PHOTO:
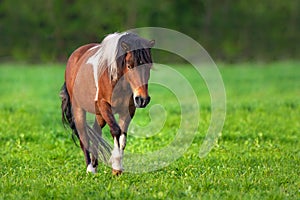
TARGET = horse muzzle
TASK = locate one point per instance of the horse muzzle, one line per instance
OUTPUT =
(141, 102)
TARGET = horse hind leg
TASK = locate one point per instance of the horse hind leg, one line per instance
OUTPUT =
(99, 123)
(76, 122)
(81, 126)
(91, 166)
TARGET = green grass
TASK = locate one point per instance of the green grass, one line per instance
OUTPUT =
(257, 157)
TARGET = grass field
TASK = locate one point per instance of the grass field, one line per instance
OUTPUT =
(257, 157)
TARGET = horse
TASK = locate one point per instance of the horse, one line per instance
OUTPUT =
(106, 79)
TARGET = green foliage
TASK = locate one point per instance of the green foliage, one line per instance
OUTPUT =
(257, 156)
(230, 30)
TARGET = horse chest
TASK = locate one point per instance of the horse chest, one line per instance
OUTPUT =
(120, 103)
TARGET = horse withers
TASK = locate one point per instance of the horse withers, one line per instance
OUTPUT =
(106, 79)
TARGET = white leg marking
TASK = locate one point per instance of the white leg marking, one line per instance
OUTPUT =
(116, 157)
(91, 169)
(122, 141)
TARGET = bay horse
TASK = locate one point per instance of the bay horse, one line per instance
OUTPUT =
(106, 79)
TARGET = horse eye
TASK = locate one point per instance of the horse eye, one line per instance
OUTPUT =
(129, 66)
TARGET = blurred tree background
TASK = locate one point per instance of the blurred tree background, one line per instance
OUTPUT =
(230, 30)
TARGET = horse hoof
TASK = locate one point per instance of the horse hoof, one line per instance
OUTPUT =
(116, 172)
(91, 169)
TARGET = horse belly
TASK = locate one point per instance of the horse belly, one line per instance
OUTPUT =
(84, 89)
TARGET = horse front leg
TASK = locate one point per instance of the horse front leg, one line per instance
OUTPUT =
(124, 121)
(107, 114)
(120, 144)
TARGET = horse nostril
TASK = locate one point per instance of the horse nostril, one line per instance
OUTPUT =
(138, 101)
(141, 102)
(147, 100)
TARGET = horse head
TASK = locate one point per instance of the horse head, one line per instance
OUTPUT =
(137, 64)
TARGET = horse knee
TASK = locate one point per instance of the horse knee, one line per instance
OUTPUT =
(115, 131)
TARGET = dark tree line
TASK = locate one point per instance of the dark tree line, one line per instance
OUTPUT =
(231, 30)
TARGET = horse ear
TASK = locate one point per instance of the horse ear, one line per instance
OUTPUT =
(151, 43)
(125, 46)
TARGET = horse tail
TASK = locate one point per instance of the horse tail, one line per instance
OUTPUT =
(66, 111)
